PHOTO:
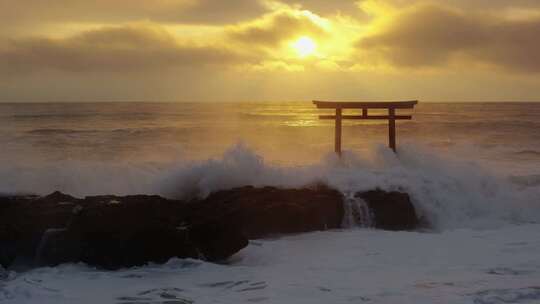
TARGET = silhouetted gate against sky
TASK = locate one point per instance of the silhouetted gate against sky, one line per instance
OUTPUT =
(391, 106)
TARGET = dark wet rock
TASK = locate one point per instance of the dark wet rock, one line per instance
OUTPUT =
(391, 210)
(56, 247)
(8, 251)
(109, 231)
(216, 239)
(59, 197)
(23, 220)
(114, 232)
(261, 212)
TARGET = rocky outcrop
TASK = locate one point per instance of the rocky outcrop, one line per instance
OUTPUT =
(260, 212)
(114, 232)
(391, 210)
(24, 219)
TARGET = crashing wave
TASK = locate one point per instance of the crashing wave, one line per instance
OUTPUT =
(449, 193)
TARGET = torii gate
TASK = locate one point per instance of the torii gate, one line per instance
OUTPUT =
(365, 106)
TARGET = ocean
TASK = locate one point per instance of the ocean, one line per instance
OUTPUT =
(472, 169)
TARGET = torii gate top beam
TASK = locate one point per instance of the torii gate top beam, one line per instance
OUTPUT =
(366, 104)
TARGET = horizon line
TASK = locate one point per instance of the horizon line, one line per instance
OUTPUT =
(251, 101)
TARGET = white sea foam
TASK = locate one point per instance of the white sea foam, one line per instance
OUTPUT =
(449, 192)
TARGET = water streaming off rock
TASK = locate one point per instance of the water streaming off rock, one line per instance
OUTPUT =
(357, 213)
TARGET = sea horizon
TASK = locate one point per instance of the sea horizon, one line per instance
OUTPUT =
(487, 101)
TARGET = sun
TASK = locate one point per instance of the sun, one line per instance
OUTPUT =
(304, 46)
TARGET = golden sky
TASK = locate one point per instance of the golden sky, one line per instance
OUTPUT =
(249, 50)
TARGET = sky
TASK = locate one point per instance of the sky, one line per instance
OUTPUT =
(265, 50)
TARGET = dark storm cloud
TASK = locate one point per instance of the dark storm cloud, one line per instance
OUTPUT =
(430, 35)
(123, 48)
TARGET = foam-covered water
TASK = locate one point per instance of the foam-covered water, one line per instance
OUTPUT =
(350, 266)
(471, 169)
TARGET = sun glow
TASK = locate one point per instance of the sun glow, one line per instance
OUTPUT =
(305, 46)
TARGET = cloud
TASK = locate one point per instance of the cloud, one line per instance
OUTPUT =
(328, 8)
(211, 11)
(257, 44)
(138, 47)
(436, 36)
(31, 13)
(275, 28)
(483, 5)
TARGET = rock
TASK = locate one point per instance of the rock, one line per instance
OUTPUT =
(216, 239)
(56, 247)
(261, 212)
(391, 210)
(114, 232)
(8, 250)
(59, 197)
(136, 230)
(24, 219)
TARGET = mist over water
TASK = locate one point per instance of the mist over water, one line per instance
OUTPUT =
(465, 165)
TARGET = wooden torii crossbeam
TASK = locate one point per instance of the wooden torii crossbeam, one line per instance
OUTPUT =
(365, 106)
